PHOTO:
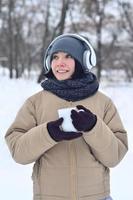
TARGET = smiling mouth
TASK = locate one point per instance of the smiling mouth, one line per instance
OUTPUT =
(62, 71)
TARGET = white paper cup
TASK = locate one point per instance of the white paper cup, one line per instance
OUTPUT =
(67, 122)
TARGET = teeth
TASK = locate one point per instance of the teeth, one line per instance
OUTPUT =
(62, 71)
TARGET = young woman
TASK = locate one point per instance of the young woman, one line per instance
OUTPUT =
(69, 165)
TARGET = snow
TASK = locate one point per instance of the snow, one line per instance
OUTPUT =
(15, 179)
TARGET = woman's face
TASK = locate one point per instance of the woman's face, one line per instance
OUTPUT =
(63, 65)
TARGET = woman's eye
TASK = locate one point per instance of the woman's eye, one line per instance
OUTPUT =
(68, 56)
(55, 56)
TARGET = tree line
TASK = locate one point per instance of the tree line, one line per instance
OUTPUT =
(28, 26)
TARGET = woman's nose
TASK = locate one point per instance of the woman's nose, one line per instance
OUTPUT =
(62, 65)
(61, 62)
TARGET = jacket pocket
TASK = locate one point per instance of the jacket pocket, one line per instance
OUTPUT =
(92, 181)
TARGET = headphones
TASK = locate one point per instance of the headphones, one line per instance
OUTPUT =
(89, 56)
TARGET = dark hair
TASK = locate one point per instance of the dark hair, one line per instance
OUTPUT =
(78, 73)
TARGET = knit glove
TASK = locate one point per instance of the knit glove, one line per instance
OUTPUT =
(57, 134)
(83, 120)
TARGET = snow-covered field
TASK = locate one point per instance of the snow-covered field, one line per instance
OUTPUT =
(15, 179)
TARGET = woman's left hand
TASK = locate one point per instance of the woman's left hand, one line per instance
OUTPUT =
(83, 120)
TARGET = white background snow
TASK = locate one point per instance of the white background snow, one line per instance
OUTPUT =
(15, 179)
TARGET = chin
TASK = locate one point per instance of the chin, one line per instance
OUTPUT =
(61, 78)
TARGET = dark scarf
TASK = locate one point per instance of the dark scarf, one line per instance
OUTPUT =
(72, 89)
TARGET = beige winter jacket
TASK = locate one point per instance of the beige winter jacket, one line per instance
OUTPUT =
(68, 170)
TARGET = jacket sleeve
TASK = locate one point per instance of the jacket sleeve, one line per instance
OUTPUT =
(27, 141)
(108, 139)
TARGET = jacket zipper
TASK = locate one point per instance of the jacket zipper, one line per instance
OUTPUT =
(73, 177)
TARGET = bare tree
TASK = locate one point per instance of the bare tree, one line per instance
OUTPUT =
(127, 14)
(17, 46)
(10, 36)
(45, 40)
(98, 19)
(27, 27)
(57, 29)
(0, 5)
(127, 25)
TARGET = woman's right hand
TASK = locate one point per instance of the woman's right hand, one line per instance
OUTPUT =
(57, 134)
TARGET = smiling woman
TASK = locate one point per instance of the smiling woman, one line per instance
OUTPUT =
(69, 164)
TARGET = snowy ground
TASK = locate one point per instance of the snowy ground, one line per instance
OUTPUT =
(15, 181)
